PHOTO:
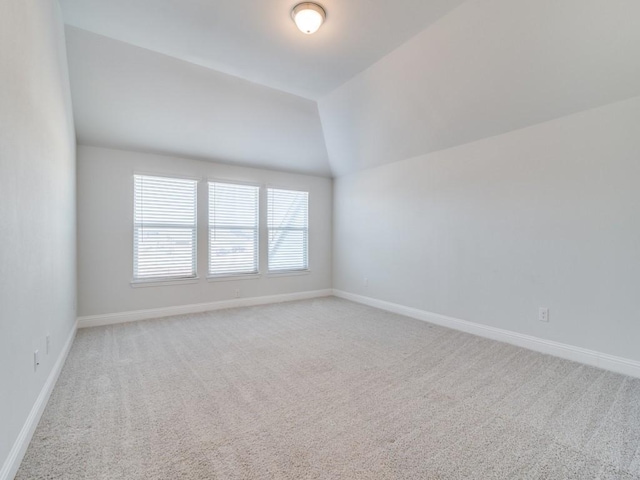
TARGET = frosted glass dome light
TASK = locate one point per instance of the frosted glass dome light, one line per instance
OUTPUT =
(308, 17)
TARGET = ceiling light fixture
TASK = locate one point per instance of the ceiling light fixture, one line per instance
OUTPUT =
(308, 17)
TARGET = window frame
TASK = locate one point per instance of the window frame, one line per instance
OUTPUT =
(289, 272)
(165, 280)
(231, 276)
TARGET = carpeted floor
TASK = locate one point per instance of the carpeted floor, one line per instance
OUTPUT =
(327, 389)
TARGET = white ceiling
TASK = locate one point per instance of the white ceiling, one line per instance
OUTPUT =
(385, 80)
(257, 40)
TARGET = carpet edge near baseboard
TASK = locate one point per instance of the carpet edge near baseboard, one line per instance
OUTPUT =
(592, 358)
(20, 445)
(151, 313)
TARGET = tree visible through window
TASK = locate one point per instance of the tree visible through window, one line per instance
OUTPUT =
(288, 226)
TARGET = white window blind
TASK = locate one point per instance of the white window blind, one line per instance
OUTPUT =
(164, 233)
(288, 225)
(233, 229)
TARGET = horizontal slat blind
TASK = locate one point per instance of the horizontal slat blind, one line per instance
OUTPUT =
(233, 229)
(288, 225)
(164, 233)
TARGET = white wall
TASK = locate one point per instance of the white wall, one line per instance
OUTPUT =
(37, 206)
(491, 230)
(105, 233)
(486, 68)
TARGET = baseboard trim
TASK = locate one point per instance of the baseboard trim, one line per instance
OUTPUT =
(569, 352)
(124, 317)
(12, 462)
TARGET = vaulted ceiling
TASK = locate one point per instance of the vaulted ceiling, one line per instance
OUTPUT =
(235, 81)
(131, 98)
(487, 68)
(256, 39)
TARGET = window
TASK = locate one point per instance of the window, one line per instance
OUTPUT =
(288, 226)
(164, 233)
(233, 229)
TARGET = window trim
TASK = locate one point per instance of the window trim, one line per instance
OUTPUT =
(233, 182)
(177, 176)
(287, 273)
(233, 276)
(165, 281)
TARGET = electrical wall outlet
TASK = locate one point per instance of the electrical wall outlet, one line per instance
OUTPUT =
(366, 282)
(237, 293)
(36, 360)
(48, 344)
(543, 314)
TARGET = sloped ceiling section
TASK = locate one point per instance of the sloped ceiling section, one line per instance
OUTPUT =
(131, 98)
(256, 39)
(486, 68)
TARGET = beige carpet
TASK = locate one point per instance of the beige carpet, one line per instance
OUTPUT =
(327, 389)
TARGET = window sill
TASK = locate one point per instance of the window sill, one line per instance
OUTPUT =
(232, 278)
(163, 283)
(289, 273)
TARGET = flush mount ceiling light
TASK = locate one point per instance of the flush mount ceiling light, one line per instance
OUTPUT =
(308, 17)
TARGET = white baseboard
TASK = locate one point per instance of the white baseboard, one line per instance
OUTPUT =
(123, 317)
(12, 463)
(569, 352)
